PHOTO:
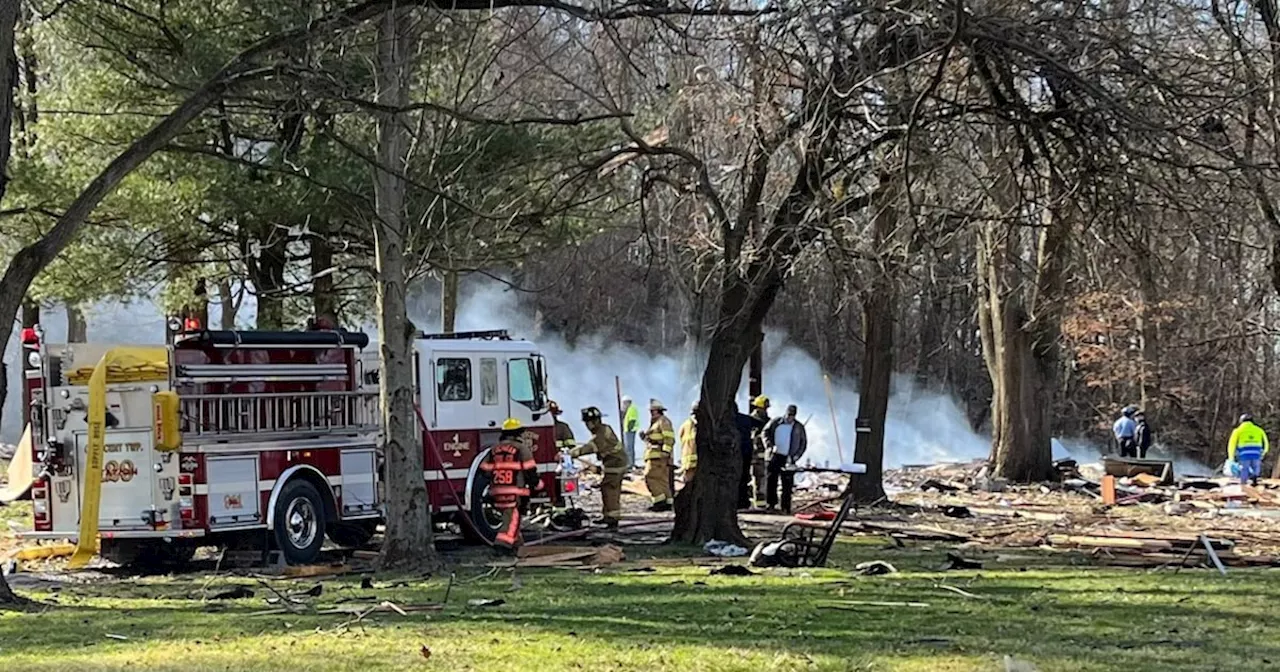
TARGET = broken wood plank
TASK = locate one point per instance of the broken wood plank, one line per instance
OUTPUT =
(1082, 541)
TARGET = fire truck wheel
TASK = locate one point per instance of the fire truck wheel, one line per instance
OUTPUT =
(299, 522)
(484, 519)
(351, 534)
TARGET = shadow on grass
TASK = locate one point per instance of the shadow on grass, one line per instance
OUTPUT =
(1062, 618)
(1073, 618)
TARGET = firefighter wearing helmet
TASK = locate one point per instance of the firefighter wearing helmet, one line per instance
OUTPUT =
(689, 445)
(605, 445)
(513, 473)
(759, 419)
(660, 442)
(564, 433)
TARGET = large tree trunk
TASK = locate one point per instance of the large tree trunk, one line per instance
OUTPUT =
(449, 302)
(1020, 319)
(324, 300)
(267, 273)
(230, 305)
(879, 304)
(77, 326)
(873, 402)
(708, 508)
(408, 540)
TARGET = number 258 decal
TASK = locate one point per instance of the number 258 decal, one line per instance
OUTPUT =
(123, 471)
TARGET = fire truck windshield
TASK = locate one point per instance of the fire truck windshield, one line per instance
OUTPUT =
(526, 385)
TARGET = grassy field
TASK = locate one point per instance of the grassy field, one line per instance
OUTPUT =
(677, 618)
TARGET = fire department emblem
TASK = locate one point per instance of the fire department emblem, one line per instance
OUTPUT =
(232, 502)
(456, 447)
(188, 463)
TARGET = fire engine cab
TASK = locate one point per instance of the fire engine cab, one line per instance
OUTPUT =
(241, 438)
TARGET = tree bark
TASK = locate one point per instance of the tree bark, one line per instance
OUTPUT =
(230, 305)
(324, 300)
(1020, 319)
(873, 401)
(77, 326)
(267, 274)
(879, 305)
(707, 509)
(408, 541)
(449, 302)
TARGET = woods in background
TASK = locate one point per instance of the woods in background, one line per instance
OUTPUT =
(1047, 210)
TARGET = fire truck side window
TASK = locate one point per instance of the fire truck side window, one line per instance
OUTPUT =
(524, 386)
(488, 381)
(453, 379)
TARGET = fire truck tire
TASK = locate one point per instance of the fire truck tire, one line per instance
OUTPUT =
(483, 527)
(357, 533)
(299, 522)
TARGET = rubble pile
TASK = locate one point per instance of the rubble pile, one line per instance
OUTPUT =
(1150, 519)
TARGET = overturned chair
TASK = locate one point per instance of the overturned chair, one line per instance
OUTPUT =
(807, 543)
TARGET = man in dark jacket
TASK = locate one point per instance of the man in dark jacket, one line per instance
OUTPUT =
(1142, 434)
(746, 426)
(786, 441)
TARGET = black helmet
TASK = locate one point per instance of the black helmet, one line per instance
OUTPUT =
(1246, 417)
(591, 413)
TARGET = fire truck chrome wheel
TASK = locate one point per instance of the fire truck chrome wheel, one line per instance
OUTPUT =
(299, 522)
(302, 523)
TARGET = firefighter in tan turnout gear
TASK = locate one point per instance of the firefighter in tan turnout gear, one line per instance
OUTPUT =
(613, 457)
(660, 442)
(564, 433)
(760, 418)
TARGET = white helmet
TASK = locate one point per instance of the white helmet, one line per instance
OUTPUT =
(626, 398)
(655, 405)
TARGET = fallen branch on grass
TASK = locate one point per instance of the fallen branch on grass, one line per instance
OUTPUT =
(962, 593)
(847, 604)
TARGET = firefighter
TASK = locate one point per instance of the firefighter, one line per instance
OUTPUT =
(688, 445)
(564, 433)
(613, 457)
(514, 473)
(760, 419)
(660, 441)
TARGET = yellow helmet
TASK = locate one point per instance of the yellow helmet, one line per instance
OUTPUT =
(510, 425)
(760, 402)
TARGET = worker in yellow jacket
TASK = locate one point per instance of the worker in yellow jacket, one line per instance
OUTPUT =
(660, 442)
(689, 446)
(1247, 447)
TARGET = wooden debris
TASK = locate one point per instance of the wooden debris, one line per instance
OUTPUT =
(1146, 480)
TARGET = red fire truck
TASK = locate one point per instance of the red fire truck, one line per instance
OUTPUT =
(274, 438)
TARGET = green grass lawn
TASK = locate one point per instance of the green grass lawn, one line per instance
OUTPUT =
(679, 618)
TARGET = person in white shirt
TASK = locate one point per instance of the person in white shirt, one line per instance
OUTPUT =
(786, 441)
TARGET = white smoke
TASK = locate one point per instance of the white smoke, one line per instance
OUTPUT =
(922, 427)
